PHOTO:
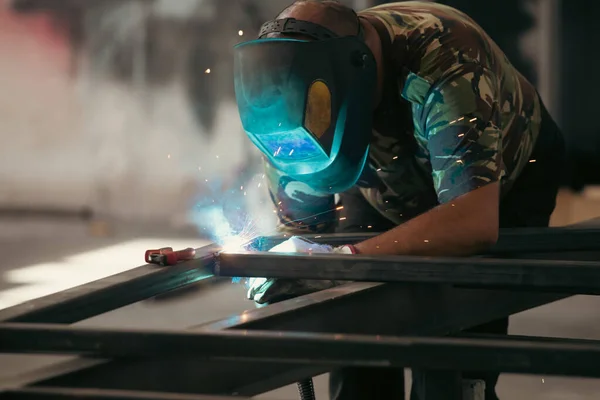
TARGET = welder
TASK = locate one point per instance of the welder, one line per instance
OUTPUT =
(405, 119)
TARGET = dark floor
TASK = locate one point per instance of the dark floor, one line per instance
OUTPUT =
(40, 257)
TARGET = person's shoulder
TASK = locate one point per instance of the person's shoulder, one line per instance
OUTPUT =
(416, 15)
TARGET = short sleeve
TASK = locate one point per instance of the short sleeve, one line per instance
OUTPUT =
(461, 124)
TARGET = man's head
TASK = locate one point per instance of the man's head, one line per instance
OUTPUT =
(305, 90)
(331, 14)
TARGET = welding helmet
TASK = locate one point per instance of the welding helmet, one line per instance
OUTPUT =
(307, 104)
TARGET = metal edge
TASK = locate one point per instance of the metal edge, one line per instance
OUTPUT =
(286, 307)
(577, 277)
(99, 296)
(557, 356)
(101, 394)
(515, 240)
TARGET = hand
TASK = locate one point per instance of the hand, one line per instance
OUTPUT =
(272, 290)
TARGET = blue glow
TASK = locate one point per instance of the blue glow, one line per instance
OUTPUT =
(295, 145)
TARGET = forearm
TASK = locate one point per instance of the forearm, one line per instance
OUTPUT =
(460, 228)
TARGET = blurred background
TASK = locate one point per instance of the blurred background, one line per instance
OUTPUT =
(119, 132)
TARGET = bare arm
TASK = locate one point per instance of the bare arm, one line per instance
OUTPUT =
(467, 225)
(459, 119)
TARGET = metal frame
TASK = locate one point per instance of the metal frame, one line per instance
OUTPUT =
(311, 334)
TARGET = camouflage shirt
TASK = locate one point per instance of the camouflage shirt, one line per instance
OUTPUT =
(455, 115)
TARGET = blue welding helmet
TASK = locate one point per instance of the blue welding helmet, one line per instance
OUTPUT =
(307, 104)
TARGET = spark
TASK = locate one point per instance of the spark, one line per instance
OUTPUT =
(473, 119)
(532, 161)
(207, 71)
(291, 152)
(395, 158)
(461, 135)
(369, 227)
(241, 32)
(461, 118)
(340, 208)
(379, 170)
(426, 241)
(343, 218)
(542, 380)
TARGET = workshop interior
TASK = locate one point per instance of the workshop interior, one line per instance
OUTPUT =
(122, 138)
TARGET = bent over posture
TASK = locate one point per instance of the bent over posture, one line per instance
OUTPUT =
(418, 121)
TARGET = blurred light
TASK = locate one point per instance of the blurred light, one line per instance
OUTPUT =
(47, 278)
(207, 71)
(233, 244)
(241, 33)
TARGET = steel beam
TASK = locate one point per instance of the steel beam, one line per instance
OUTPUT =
(354, 308)
(113, 292)
(44, 393)
(410, 309)
(518, 355)
(577, 277)
(521, 240)
(146, 281)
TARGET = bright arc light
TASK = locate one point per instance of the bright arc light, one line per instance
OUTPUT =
(233, 244)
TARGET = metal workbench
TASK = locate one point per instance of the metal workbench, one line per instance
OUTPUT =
(428, 301)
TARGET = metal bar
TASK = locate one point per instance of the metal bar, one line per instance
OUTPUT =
(353, 308)
(521, 240)
(49, 393)
(517, 355)
(115, 291)
(143, 282)
(581, 277)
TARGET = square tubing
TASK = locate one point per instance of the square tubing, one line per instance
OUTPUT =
(94, 298)
(570, 357)
(49, 393)
(577, 277)
(518, 240)
(116, 291)
(344, 309)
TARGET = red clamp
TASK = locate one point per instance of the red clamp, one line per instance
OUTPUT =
(166, 256)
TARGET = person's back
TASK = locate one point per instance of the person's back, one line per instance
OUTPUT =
(430, 45)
